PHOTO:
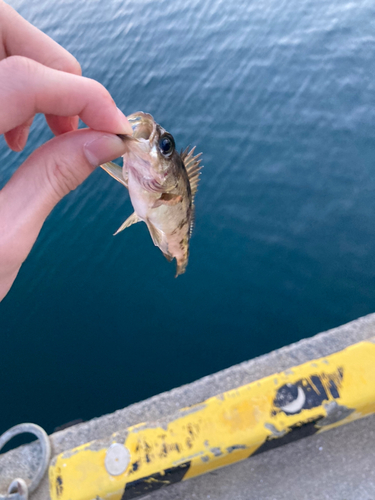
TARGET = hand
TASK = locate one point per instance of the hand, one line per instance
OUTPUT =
(38, 76)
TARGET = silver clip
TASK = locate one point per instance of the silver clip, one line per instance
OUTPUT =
(18, 490)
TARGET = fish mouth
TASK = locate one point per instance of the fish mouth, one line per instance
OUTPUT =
(143, 125)
(140, 144)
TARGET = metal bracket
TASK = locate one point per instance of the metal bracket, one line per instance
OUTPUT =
(18, 489)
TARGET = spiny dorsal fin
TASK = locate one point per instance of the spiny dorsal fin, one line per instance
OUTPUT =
(192, 220)
(114, 171)
(193, 168)
(133, 219)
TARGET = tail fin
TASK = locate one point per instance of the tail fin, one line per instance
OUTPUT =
(181, 267)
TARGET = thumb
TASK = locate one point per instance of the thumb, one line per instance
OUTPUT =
(51, 172)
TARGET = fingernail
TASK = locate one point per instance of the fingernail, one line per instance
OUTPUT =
(22, 135)
(104, 148)
(126, 128)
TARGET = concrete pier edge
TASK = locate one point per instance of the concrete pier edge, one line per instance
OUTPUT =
(23, 461)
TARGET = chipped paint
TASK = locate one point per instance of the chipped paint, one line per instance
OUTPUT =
(335, 413)
(289, 371)
(188, 458)
(275, 433)
(192, 409)
(233, 426)
(92, 446)
(236, 447)
(216, 451)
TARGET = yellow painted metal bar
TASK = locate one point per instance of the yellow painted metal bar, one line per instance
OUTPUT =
(232, 426)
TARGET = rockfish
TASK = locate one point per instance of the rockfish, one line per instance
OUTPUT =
(162, 184)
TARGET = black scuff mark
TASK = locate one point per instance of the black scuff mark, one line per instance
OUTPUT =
(146, 485)
(59, 486)
(236, 447)
(134, 466)
(311, 392)
(333, 389)
(295, 433)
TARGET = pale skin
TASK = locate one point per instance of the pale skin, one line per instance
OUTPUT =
(38, 76)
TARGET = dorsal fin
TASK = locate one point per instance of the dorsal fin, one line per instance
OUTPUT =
(192, 220)
(193, 168)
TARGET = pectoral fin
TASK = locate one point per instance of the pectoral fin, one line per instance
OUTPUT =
(133, 219)
(167, 199)
(114, 171)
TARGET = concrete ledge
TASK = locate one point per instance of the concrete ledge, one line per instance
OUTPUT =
(22, 462)
(335, 465)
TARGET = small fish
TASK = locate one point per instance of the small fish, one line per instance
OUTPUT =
(162, 184)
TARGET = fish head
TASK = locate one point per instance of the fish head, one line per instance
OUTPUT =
(151, 149)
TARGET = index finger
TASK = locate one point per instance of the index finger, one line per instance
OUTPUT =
(29, 88)
(20, 38)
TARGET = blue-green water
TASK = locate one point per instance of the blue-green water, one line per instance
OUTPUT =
(280, 98)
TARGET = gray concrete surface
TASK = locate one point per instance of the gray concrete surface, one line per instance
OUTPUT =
(337, 464)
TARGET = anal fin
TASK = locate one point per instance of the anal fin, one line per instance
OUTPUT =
(133, 219)
(156, 234)
(168, 257)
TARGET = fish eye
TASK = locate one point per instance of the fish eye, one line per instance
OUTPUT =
(166, 145)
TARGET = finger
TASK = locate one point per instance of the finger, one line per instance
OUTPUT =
(21, 38)
(53, 170)
(62, 124)
(17, 137)
(29, 88)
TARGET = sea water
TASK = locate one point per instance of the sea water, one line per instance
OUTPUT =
(279, 97)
